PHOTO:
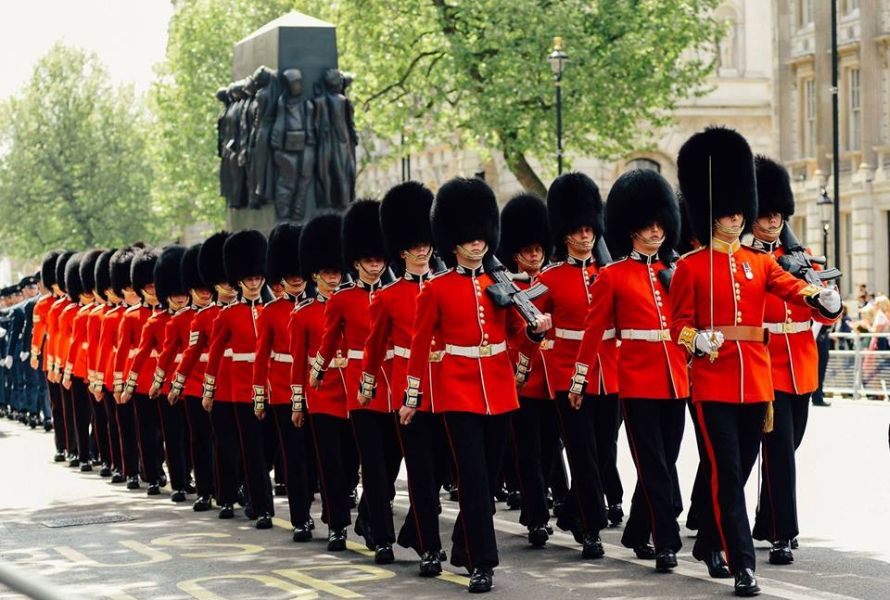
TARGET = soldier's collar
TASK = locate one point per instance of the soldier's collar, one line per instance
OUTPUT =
(417, 278)
(321, 298)
(251, 302)
(577, 262)
(725, 247)
(643, 258)
(759, 244)
(371, 287)
(462, 270)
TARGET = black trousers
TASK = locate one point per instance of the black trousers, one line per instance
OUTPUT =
(584, 508)
(174, 434)
(83, 416)
(731, 436)
(607, 422)
(114, 446)
(129, 436)
(378, 447)
(535, 440)
(148, 427)
(253, 459)
(329, 432)
(477, 443)
(291, 442)
(200, 445)
(701, 493)
(420, 442)
(654, 431)
(227, 446)
(68, 419)
(100, 429)
(56, 404)
(776, 517)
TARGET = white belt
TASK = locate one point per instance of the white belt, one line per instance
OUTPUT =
(336, 363)
(390, 354)
(155, 354)
(243, 356)
(476, 351)
(228, 352)
(609, 334)
(578, 334)
(646, 335)
(401, 352)
(178, 358)
(355, 354)
(282, 357)
(132, 352)
(781, 328)
(204, 357)
(84, 346)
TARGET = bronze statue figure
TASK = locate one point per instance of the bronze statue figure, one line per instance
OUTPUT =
(265, 100)
(293, 140)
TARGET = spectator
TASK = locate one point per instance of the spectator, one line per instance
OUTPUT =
(881, 324)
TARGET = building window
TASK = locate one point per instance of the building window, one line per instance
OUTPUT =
(808, 134)
(646, 164)
(806, 12)
(850, 6)
(854, 118)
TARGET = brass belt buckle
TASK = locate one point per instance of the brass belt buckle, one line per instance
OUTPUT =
(484, 350)
(436, 356)
(787, 327)
(339, 363)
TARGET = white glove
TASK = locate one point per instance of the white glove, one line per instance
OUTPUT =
(830, 300)
(24, 356)
(8, 362)
(2, 332)
(704, 342)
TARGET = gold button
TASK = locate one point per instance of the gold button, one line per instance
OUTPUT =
(739, 320)
(481, 320)
(659, 304)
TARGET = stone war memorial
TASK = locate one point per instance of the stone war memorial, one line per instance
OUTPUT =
(286, 129)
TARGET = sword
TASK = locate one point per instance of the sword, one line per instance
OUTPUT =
(712, 355)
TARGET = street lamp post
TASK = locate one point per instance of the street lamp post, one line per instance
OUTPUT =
(558, 60)
(835, 157)
(825, 206)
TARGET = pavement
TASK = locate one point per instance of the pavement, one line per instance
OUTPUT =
(149, 548)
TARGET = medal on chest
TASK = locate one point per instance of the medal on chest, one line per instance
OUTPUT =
(748, 273)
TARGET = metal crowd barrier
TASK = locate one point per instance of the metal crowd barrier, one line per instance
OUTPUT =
(856, 372)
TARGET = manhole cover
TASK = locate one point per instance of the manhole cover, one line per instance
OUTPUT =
(86, 519)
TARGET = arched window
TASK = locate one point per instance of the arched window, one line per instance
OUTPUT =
(643, 163)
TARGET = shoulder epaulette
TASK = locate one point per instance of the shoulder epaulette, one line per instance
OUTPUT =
(390, 284)
(344, 286)
(753, 249)
(552, 265)
(691, 252)
(440, 273)
(132, 308)
(304, 303)
(613, 263)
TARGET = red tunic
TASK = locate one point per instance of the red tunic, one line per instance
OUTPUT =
(234, 334)
(65, 336)
(273, 358)
(306, 327)
(454, 309)
(347, 317)
(742, 279)
(38, 329)
(78, 349)
(194, 358)
(393, 313)
(536, 386)
(94, 333)
(629, 295)
(129, 335)
(52, 362)
(792, 347)
(108, 341)
(145, 361)
(568, 301)
(176, 340)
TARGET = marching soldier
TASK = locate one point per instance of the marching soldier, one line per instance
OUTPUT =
(576, 219)
(229, 398)
(211, 272)
(475, 390)
(321, 262)
(56, 344)
(525, 247)
(37, 398)
(794, 361)
(370, 407)
(718, 296)
(39, 344)
(170, 296)
(405, 223)
(177, 338)
(643, 224)
(272, 370)
(88, 356)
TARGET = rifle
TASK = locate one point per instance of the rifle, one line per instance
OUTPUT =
(802, 265)
(667, 274)
(504, 291)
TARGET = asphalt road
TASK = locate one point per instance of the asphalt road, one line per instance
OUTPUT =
(159, 550)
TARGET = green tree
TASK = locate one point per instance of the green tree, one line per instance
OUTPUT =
(435, 68)
(74, 170)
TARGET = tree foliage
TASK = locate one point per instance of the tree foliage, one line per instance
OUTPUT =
(74, 170)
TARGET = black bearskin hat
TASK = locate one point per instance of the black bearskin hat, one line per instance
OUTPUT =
(61, 262)
(88, 270)
(574, 201)
(637, 199)
(48, 268)
(320, 247)
(524, 221)
(244, 255)
(191, 273)
(168, 274)
(119, 270)
(405, 217)
(687, 241)
(142, 269)
(464, 210)
(773, 188)
(733, 182)
(73, 285)
(362, 237)
(102, 272)
(210, 259)
(283, 256)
